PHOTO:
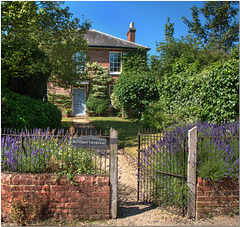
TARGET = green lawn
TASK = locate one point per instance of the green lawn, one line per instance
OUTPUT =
(127, 131)
(66, 123)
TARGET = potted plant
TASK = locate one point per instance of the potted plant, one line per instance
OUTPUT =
(68, 112)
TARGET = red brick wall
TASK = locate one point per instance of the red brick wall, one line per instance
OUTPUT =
(101, 56)
(214, 199)
(88, 199)
(58, 90)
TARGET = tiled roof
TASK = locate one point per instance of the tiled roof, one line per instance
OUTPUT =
(100, 39)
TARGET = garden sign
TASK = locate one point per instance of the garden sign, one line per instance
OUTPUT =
(89, 141)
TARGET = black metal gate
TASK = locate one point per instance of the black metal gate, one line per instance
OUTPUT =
(162, 170)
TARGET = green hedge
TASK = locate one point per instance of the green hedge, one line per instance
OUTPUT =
(97, 106)
(20, 111)
(211, 95)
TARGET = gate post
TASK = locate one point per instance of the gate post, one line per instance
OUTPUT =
(113, 172)
(192, 167)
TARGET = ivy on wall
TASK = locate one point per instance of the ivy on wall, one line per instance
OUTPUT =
(135, 61)
(63, 102)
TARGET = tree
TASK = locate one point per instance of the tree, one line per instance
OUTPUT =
(135, 92)
(98, 99)
(189, 48)
(46, 26)
(25, 70)
(169, 29)
(100, 79)
(221, 28)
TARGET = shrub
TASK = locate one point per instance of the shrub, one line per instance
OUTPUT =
(210, 95)
(218, 145)
(155, 116)
(44, 151)
(217, 159)
(20, 111)
(98, 101)
(135, 92)
(220, 91)
(97, 106)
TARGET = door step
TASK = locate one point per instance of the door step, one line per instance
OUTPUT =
(80, 117)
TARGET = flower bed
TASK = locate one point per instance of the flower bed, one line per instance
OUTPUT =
(44, 176)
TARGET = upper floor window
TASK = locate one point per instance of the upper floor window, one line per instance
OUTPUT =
(80, 61)
(115, 62)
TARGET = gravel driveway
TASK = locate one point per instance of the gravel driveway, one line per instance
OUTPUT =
(130, 213)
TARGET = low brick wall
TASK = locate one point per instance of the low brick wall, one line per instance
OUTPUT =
(214, 199)
(88, 199)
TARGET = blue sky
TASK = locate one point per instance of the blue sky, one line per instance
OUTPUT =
(149, 17)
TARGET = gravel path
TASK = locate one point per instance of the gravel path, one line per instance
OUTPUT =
(131, 213)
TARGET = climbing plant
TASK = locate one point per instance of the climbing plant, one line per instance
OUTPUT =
(135, 61)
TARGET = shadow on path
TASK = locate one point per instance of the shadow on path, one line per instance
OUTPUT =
(127, 202)
(129, 209)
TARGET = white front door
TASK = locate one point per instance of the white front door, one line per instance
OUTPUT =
(79, 101)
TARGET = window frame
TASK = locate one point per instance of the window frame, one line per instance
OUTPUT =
(115, 72)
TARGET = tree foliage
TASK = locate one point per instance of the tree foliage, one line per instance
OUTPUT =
(136, 91)
(220, 30)
(25, 70)
(44, 25)
(21, 111)
(199, 73)
(98, 100)
(174, 49)
(99, 79)
(209, 95)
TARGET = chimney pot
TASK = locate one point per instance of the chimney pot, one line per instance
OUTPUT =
(131, 33)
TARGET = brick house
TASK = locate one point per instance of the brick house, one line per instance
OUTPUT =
(106, 50)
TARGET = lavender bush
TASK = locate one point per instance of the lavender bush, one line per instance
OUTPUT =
(162, 169)
(217, 159)
(45, 151)
(218, 151)
(218, 147)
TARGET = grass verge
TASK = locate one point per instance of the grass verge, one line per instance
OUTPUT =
(127, 131)
(66, 123)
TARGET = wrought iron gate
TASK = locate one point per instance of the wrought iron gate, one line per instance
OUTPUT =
(162, 170)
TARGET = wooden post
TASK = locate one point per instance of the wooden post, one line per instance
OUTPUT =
(113, 172)
(192, 166)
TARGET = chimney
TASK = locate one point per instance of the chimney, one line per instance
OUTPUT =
(131, 33)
